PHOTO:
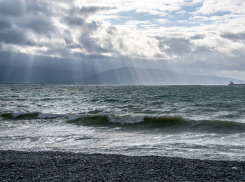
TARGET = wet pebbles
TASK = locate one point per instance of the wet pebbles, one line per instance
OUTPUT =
(58, 166)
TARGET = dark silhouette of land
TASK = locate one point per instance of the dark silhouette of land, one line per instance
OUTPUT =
(119, 76)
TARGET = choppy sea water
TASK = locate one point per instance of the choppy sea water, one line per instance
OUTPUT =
(202, 122)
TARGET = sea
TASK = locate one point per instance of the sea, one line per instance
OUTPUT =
(197, 122)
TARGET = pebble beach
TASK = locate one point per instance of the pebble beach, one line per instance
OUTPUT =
(60, 166)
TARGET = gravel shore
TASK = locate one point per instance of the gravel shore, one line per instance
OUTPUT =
(59, 166)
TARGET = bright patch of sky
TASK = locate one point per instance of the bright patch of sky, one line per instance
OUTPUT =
(185, 16)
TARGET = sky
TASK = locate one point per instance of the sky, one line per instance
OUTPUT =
(204, 37)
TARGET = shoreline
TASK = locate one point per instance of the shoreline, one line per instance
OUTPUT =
(64, 166)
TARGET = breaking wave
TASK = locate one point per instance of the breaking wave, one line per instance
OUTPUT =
(163, 123)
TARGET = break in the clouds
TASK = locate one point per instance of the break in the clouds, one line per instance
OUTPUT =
(189, 36)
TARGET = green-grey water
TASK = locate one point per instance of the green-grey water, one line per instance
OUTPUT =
(204, 122)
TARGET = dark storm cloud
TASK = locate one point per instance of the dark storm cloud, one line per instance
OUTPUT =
(13, 8)
(41, 24)
(24, 20)
(4, 25)
(13, 36)
(35, 20)
(19, 17)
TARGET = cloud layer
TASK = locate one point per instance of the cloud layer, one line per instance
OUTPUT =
(197, 36)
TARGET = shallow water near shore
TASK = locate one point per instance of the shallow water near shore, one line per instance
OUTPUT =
(202, 122)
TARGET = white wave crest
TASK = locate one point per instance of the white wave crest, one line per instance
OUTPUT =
(48, 116)
(73, 117)
(15, 115)
(126, 119)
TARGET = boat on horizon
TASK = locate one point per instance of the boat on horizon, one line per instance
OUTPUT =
(231, 83)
